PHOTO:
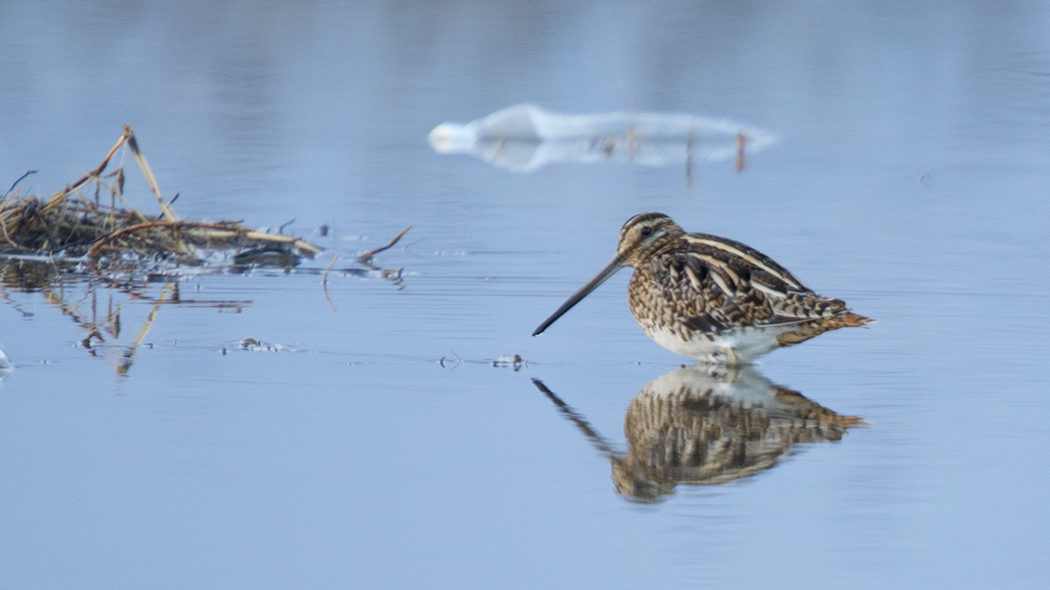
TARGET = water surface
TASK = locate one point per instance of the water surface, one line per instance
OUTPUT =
(376, 445)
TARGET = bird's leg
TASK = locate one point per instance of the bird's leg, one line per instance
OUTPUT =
(731, 358)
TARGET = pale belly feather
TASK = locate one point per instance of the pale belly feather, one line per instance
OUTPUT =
(746, 343)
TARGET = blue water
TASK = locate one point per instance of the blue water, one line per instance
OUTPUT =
(379, 446)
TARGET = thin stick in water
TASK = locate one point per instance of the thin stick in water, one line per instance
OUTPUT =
(366, 258)
(324, 282)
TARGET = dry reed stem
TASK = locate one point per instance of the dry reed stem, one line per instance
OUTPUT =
(64, 222)
(94, 174)
(147, 172)
(216, 230)
(152, 224)
(254, 235)
(15, 184)
(367, 256)
(3, 226)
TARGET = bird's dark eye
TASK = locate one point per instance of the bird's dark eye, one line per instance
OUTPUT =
(646, 231)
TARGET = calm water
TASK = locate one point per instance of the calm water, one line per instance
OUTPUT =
(375, 445)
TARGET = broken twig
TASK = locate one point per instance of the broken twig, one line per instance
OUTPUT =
(366, 258)
(324, 281)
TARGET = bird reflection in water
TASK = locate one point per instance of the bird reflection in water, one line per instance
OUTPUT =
(707, 425)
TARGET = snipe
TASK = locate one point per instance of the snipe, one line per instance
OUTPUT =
(710, 298)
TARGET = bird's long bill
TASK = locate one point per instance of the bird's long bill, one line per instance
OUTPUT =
(603, 275)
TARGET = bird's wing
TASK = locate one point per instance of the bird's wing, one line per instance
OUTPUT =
(716, 290)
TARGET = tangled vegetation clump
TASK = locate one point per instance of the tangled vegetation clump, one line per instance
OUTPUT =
(70, 224)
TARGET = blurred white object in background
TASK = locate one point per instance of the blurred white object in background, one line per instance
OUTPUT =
(524, 137)
(5, 363)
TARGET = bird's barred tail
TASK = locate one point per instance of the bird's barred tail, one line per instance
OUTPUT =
(817, 327)
(846, 320)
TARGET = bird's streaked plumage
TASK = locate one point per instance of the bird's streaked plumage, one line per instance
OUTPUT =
(711, 298)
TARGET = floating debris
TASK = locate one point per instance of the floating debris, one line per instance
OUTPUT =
(366, 266)
(254, 345)
(443, 360)
(73, 225)
(366, 258)
(507, 361)
(524, 138)
(514, 362)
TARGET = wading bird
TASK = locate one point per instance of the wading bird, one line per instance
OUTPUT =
(710, 298)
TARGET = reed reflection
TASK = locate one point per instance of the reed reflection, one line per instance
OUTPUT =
(707, 425)
(100, 305)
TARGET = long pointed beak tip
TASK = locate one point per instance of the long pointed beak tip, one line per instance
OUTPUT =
(610, 269)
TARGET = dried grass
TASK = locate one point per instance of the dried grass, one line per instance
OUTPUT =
(71, 224)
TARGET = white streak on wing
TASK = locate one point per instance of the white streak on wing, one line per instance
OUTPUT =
(767, 290)
(715, 269)
(721, 283)
(745, 256)
(692, 277)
